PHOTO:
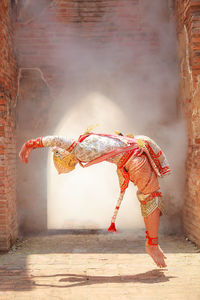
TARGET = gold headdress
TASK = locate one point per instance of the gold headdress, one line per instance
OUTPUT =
(128, 134)
(64, 161)
(90, 128)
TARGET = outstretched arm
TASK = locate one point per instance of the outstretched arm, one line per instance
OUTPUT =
(47, 141)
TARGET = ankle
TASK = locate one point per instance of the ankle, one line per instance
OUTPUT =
(152, 241)
(153, 247)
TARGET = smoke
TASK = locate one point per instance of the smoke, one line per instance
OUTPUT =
(121, 73)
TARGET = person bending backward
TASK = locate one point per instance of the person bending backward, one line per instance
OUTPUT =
(139, 159)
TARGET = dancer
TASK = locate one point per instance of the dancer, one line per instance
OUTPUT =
(139, 159)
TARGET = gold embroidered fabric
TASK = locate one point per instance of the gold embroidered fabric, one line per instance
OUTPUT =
(148, 206)
(64, 161)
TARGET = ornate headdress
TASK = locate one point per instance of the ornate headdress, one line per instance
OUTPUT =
(64, 161)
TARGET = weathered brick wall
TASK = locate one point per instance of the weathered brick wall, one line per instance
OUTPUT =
(188, 32)
(8, 84)
(41, 34)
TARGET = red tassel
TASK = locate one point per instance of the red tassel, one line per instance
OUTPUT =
(112, 228)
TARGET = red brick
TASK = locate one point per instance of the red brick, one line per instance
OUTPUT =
(8, 82)
(187, 13)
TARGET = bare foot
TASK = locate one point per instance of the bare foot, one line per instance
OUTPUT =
(157, 255)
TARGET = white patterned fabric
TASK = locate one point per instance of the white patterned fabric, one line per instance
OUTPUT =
(57, 141)
(95, 146)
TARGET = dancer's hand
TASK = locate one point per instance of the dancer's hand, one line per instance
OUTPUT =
(25, 153)
(28, 147)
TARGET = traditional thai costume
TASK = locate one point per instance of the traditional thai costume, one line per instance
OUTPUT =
(139, 159)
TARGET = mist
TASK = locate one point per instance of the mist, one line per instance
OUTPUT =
(121, 73)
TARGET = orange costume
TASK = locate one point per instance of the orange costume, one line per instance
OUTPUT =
(139, 159)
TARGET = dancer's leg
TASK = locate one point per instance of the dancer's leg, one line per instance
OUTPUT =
(152, 225)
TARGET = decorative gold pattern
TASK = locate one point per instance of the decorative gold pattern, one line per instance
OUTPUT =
(130, 135)
(148, 206)
(90, 128)
(64, 161)
(140, 143)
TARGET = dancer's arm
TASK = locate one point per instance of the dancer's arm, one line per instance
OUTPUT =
(47, 141)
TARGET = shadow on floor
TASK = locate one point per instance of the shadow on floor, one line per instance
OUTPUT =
(19, 281)
(73, 280)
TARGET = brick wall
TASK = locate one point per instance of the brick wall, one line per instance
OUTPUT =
(42, 33)
(188, 32)
(8, 80)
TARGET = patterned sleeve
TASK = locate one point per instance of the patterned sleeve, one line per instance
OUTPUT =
(57, 141)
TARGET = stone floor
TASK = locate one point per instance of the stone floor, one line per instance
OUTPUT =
(98, 266)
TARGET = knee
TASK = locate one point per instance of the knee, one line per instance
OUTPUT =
(150, 202)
